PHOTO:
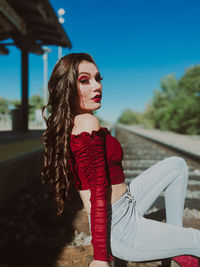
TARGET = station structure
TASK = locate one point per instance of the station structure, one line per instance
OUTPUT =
(29, 25)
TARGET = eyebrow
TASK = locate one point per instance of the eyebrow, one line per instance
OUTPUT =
(88, 73)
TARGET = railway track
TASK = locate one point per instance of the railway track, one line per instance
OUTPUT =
(31, 234)
(140, 154)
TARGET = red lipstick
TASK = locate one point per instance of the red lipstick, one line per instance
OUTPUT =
(97, 98)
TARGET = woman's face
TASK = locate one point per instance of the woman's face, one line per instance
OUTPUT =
(89, 87)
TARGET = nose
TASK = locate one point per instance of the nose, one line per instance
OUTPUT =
(96, 85)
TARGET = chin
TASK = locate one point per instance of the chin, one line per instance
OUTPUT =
(99, 105)
(91, 108)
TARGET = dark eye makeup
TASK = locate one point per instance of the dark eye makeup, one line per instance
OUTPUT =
(98, 77)
(84, 79)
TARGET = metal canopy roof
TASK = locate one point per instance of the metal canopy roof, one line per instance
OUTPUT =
(31, 24)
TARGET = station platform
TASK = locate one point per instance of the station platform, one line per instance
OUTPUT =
(21, 158)
(13, 144)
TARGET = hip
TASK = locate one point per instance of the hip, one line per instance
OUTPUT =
(122, 216)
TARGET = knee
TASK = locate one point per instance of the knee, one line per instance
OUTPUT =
(178, 162)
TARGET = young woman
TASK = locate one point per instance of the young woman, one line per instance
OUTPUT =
(78, 151)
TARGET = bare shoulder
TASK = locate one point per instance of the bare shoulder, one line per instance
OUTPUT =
(85, 123)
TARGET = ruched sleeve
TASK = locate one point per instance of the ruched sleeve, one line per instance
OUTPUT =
(90, 155)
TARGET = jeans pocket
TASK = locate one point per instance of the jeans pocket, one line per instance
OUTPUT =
(125, 227)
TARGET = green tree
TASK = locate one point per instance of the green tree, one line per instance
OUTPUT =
(4, 105)
(36, 101)
(190, 82)
(169, 87)
(129, 116)
(176, 106)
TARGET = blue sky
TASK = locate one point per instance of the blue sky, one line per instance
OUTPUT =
(135, 44)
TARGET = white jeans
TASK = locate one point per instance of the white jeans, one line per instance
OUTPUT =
(135, 238)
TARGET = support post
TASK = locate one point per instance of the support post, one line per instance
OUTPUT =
(24, 89)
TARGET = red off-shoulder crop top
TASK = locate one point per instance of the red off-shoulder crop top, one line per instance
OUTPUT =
(96, 164)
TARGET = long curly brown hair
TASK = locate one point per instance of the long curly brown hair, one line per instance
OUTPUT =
(61, 108)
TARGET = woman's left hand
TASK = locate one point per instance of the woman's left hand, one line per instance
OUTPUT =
(95, 263)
